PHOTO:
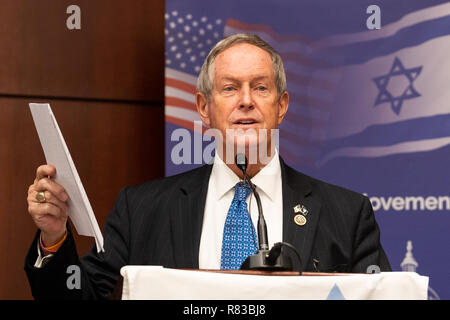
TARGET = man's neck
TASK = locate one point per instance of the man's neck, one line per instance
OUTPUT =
(252, 170)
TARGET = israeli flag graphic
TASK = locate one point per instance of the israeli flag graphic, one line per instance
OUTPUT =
(393, 94)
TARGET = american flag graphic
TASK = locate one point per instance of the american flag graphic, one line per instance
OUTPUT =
(189, 38)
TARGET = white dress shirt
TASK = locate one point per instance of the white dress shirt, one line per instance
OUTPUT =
(218, 200)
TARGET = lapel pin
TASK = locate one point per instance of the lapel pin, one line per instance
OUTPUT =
(301, 209)
(300, 220)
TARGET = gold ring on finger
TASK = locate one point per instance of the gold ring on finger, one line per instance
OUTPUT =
(40, 197)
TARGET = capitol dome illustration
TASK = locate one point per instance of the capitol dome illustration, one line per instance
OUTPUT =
(409, 264)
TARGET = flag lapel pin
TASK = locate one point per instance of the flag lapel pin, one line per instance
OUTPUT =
(300, 218)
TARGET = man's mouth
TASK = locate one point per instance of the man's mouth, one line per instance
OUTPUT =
(245, 121)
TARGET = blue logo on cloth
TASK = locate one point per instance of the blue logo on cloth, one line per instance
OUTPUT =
(335, 294)
(239, 235)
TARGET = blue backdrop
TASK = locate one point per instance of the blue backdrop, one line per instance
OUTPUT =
(369, 110)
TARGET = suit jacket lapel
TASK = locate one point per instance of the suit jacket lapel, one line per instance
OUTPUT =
(187, 219)
(297, 191)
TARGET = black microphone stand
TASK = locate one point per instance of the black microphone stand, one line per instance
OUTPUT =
(264, 259)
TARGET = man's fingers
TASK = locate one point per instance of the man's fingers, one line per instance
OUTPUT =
(31, 189)
(45, 170)
(50, 215)
(40, 209)
(49, 198)
(55, 189)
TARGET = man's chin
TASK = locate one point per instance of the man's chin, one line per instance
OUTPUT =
(245, 139)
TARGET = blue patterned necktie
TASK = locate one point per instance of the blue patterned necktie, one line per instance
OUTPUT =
(239, 235)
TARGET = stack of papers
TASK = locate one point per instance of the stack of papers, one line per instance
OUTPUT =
(57, 154)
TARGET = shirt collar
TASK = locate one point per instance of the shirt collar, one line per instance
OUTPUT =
(267, 179)
(225, 179)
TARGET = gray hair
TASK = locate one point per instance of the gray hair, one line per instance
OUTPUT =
(205, 78)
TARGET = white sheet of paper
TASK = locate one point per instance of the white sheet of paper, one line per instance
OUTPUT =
(57, 154)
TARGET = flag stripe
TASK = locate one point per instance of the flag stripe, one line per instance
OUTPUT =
(374, 152)
(179, 84)
(175, 92)
(182, 113)
(238, 25)
(187, 124)
(182, 76)
(176, 102)
(393, 133)
(408, 20)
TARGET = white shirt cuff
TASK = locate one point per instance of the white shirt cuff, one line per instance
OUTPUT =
(41, 261)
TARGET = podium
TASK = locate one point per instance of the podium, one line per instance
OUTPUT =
(159, 283)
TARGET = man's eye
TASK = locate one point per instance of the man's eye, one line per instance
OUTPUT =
(228, 89)
(261, 88)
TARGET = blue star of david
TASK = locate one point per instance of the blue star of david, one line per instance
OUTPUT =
(409, 93)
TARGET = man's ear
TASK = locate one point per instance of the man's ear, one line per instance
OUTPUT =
(283, 105)
(202, 108)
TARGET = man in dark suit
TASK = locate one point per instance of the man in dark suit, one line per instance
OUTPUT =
(186, 221)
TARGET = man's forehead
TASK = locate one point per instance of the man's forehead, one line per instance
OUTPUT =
(244, 51)
(243, 60)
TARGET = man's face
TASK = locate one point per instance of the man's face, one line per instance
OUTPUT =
(244, 94)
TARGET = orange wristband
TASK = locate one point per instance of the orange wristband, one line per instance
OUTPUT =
(55, 247)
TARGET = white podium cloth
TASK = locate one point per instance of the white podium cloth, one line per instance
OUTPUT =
(158, 283)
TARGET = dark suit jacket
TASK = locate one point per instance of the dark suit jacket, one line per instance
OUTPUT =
(160, 223)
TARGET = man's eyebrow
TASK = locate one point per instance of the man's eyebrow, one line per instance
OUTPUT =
(260, 78)
(231, 78)
(228, 78)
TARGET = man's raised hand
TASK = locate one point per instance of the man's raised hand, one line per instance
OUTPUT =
(47, 205)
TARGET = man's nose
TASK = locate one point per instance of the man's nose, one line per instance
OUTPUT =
(246, 100)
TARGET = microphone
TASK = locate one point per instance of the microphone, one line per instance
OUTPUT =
(264, 259)
(241, 162)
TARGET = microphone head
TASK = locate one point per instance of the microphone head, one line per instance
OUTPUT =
(241, 162)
